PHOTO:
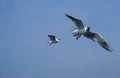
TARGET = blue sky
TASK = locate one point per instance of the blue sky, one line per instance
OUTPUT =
(25, 24)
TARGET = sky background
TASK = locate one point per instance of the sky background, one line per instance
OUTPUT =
(25, 53)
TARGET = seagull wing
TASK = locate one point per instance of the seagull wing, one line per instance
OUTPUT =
(99, 39)
(52, 37)
(77, 22)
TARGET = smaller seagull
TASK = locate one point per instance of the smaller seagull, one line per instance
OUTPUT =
(53, 39)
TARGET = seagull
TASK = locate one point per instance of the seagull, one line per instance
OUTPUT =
(53, 39)
(85, 31)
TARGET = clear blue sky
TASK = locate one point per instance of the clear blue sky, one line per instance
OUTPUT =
(25, 24)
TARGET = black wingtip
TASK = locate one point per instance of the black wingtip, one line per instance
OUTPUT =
(50, 35)
(66, 14)
(110, 50)
(70, 17)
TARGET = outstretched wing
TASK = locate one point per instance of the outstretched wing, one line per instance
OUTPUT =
(99, 39)
(52, 37)
(77, 22)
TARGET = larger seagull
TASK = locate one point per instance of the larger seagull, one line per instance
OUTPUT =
(85, 31)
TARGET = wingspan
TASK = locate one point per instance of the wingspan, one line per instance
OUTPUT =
(77, 22)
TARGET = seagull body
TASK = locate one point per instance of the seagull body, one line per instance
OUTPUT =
(53, 39)
(85, 31)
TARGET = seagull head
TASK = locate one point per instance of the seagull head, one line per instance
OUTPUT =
(87, 28)
(58, 39)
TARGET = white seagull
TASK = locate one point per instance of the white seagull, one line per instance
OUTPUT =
(53, 39)
(85, 31)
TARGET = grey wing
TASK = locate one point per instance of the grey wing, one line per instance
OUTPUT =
(52, 37)
(99, 39)
(94, 36)
(77, 22)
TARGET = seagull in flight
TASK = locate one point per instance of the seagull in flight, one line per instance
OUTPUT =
(53, 39)
(85, 31)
